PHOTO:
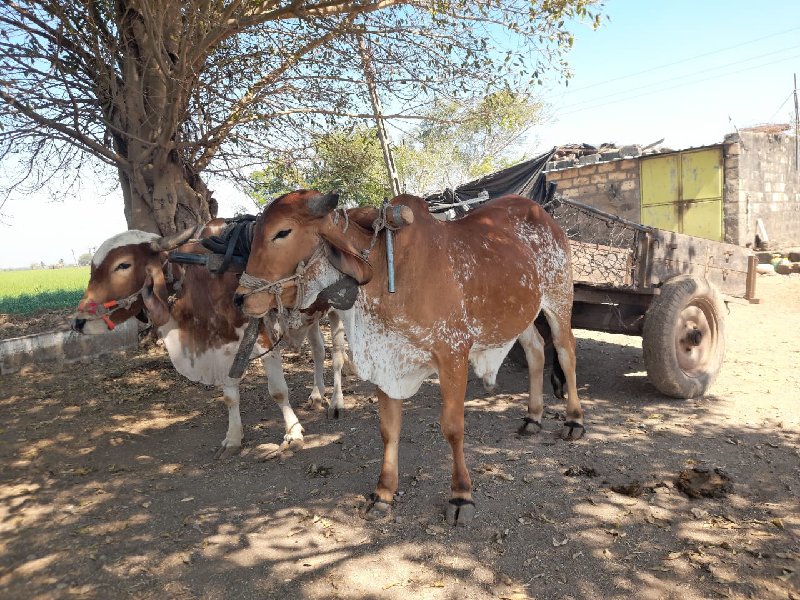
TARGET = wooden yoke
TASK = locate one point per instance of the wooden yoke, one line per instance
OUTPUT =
(399, 215)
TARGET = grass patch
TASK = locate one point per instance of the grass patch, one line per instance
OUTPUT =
(28, 292)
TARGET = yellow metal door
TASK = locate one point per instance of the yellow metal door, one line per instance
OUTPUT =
(703, 219)
(660, 179)
(701, 174)
(663, 216)
(682, 192)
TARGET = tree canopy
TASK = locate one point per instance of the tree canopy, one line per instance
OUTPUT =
(455, 144)
(162, 91)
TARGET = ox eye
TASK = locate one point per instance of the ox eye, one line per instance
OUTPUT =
(281, 234)
(122, 266)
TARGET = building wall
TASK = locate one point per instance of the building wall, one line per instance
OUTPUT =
(762, 181)
(610, 186)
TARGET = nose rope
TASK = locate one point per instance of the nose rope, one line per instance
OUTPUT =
(93, 311)
(291, 319)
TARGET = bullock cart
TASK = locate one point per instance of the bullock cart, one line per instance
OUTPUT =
(669, 288)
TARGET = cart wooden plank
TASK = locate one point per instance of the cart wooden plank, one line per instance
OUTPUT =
(670, 254)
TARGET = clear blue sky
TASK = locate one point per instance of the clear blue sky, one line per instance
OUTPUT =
(687, 71)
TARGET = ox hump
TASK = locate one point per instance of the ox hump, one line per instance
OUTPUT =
(126, 238)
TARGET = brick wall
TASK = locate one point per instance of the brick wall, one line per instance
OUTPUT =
(610, 186)
(762, 181)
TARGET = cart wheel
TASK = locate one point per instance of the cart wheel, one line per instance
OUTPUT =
(684, 337)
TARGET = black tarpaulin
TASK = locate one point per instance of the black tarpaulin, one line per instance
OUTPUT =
(523, 179)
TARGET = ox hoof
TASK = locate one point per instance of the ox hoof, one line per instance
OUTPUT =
(227, 451)
(530, 427)
(375, 508)
(316, 401)
(335, 412)
(572, 431)
(460, 512)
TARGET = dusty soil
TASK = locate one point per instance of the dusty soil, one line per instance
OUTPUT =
(12, 326)
(108, 488)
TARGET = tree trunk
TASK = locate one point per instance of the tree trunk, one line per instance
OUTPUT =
(165, 197)
(162, 192)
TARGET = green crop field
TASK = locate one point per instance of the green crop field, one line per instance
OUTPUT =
(26, 292)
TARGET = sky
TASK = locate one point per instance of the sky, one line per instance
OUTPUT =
(685, 71)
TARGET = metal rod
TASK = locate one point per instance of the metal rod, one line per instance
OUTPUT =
(796, 127)
(604, 215)
(390, 259)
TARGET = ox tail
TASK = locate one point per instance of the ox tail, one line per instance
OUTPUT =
(557, 378)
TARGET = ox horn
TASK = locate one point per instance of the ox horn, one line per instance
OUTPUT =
(399, 215)
(169, 242)
(321, 204)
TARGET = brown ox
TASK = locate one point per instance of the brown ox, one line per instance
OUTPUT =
(200, 327)
(466, 291)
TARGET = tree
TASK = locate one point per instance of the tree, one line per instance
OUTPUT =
(473, 140)
(349, 161)
(85, 259)
(160, 91)
(463, 141)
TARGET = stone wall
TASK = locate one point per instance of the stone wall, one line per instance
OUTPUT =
(761, 181)
(611, 186)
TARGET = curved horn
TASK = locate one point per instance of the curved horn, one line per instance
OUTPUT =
(399, 215)
(321, 204)
(169, 242)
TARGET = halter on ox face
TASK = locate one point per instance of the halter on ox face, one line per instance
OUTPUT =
(292, 237)
(126, 280)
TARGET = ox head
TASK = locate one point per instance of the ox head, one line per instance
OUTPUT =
(297, 229)
(126, 280)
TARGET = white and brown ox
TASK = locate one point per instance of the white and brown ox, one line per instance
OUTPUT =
(194, 315)
(466, 291)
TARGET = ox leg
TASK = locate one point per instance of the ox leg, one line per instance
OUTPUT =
(317, 397)
(379, 503)
(564, 342)
(339, 357)
(232, 443)
(279, 391)
(453, 384)
(533, 344)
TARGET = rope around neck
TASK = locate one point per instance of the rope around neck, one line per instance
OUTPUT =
(291, 318)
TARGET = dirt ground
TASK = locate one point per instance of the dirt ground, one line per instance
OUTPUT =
(108, 487)
(12, 326)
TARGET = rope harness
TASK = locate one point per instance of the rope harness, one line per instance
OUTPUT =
(94, 311)
(292, 318)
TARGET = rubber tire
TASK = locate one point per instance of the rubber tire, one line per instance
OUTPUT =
(659, 337)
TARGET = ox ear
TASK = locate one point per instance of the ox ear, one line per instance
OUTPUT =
(170, 242)
(345, 258)
(153, 294)
(321, 204)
